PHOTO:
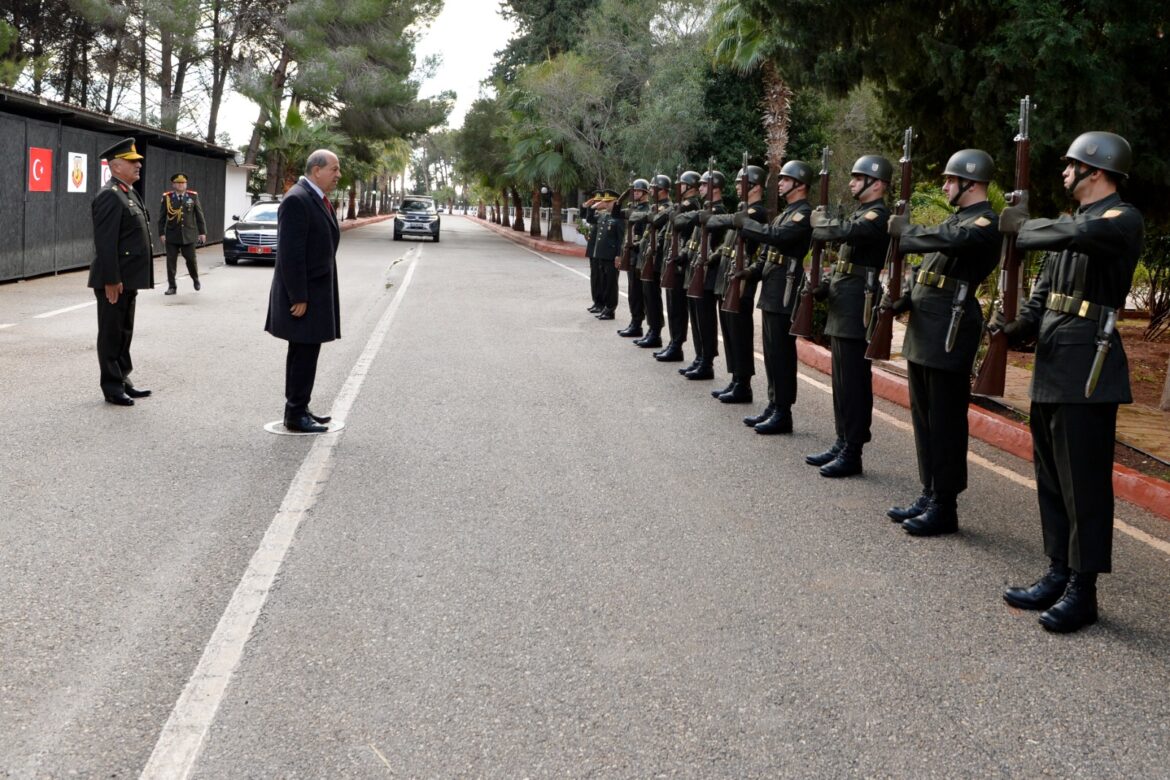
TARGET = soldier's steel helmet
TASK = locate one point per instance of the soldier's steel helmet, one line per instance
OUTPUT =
(798, 170)
(875, 166)
(717, 179)
(973, 164)
(690, 178)
(755, 175)
(1098, 149)
(640, 184)
(661, 181)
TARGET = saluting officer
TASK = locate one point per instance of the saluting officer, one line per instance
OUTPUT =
(121, 267)
(864, 241)
(739, 328)
(704, 306)
(610, 235)
(656, 218)
(1081, 373)
(943, 336)
(677, 305)
(640, 197)
(589, 217)
(181, 227)
(780, 272)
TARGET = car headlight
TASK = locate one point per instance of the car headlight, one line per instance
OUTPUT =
(229, 235)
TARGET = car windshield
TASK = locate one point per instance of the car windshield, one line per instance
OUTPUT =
(261, 212)
(416, 205)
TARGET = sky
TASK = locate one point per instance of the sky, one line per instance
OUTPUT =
(466, 35)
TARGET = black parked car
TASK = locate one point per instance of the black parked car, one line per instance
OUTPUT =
(253, 236)
(416, 217)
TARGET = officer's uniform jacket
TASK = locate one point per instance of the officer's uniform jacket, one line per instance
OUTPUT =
(611, 236)
(636, 216)
(962, 250)
(782, 247)
(864, 242)
(589, 214)
(686, 224)
(726, 250)
(180, 218)
(1091, 259)
(121, 238)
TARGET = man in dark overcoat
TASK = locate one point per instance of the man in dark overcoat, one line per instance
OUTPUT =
(304, 308)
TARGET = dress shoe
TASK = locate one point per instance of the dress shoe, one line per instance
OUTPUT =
(170, 291)
(303, 424)
(740, 393)
(1076, 609)
(134, 392)
(606, 314)
(651, 339)
(721, 391)
(937, 520)
(630, 331)
(120, 400)
(198, 286)
(901, 513)
(755, 419)
(317, 419)
(827, 456)
(698, 361)
(594, 309)
(702, 372)
(846, 464)
(672, 354)
(779, 422)
(1042, 593)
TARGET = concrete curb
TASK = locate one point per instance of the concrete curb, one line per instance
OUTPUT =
(535, 244)
(1008, 435)
(363, 221)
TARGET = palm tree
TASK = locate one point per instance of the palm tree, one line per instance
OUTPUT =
(288, 143)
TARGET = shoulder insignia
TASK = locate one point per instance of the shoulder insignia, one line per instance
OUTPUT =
(192, 192)
(798, 217)
(167, 193)
(1111, 213)
(982, 222)
(871, 215)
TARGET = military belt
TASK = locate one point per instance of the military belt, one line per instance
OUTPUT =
(693, 245)
(1068, 304)
(935, 279)
(846, 268)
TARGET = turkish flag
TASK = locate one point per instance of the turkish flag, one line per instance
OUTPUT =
(40, 169)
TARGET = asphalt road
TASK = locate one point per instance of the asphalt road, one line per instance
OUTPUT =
(532, 552)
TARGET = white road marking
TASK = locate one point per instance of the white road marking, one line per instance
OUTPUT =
(1008, 474)
(4, 325)
(65, 310)
(182, 736)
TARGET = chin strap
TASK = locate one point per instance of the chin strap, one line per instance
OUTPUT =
(869, 182)
(965, 184)
(1081, 176)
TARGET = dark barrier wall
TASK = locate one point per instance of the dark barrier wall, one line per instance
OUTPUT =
(49, 232)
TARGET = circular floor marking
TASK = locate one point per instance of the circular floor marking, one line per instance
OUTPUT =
(277, 427)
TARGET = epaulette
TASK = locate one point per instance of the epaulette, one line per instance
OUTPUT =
(192, 192)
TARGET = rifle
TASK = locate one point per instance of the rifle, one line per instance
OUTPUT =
(881, 327)
(699, 274)
(623, 261)
(802, 318)
(670, 268)
(993, 369)
(735, 284)
(649, 261)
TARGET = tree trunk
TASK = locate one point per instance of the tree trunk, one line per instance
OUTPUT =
(554, 217)
(518, 222)
(777, 105)
(481, 212)
(278, 79)
(534, 227)
(352, 212)
(1164, 405)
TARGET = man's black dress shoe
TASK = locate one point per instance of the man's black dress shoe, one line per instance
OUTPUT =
(630, 331)
(937, 520)
(651, 339)
(846, 464)
(170, 291)
(755, 419)
(593, 309)
(120, 400)
(779, 422)
(198, 286)
(1042, 593)
(902, 513)
(739, 393)
(134, 392)
(728, 389)
(827, 456)
(606, 314)
(319, 420)
(672, 354)
(304, 424)
(698, 361)
(702, 372)
(1076, 609)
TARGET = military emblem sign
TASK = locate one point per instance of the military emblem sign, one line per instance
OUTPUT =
(77, 172)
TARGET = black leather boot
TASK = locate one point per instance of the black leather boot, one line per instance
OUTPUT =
(1042, 593)
(672, 354)
(703, 371)
(606, 314)
(740, 392)
(730, 386)
(941, 517)
(756, 419)
(1077, 608)
(698, 361)
(779, 422)
(653, 338)
(594, 309)
(846, 464)
(827, 456)
(632, 330)
(900, 513)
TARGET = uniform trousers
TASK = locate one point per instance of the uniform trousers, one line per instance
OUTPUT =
(300, 374)
(1072, 446)
(188, 251)
(652, 302)
(739, 339)
(634, 294)
(938, 409)
(595, 288)
(677, 311)
(852, 391)
(609, 285)
(779, 359)
(704, 325)
(115, 332)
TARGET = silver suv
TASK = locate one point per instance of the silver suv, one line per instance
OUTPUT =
(416, 217)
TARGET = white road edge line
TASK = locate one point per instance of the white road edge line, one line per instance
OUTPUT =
(183, 734)
(67, 309)
(4, 325)
(1118, 523)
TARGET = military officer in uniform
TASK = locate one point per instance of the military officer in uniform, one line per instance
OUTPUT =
(181, 227)
(656, 219)
(943, 336)
(121, 267)
(704, 306)
(640, 197)
(1081, 373)
(610, 229)
(864, 240)
(589, 218)
(677, 305)
(780, 272)
(739, 328)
